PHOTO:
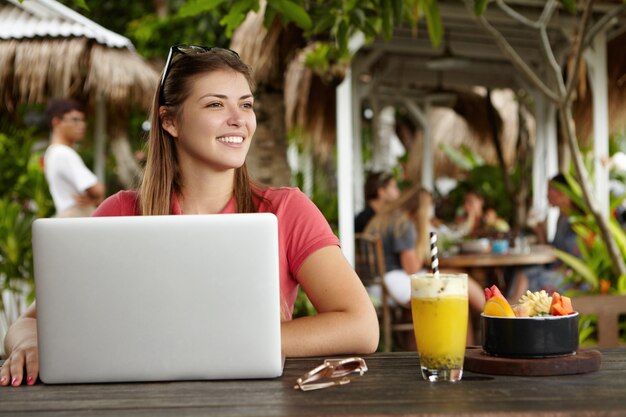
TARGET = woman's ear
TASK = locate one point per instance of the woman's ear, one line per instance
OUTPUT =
(167, 123)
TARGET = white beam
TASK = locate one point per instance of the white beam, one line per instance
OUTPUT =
(345, 166)
(100, 139)
(596, 62)
(357, 148)
(345, 156)
(545, 160)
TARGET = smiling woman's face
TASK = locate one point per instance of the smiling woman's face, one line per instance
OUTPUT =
(217, 122)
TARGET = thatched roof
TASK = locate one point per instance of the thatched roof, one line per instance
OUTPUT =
(466, 123)
(309, 100)
(48, 50)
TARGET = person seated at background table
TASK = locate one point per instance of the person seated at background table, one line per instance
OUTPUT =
(478, 220)
(494, 224)
(404, 226)
(380, 188)
(550, 277)
(203, 121)
(471, 221)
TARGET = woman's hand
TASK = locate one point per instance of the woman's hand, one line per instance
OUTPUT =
(24, 357)
(21, 346)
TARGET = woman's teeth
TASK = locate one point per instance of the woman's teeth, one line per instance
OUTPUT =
(231, 139)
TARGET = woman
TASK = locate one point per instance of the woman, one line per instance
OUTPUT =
(403, 226)
(396, 225)
(202, 125)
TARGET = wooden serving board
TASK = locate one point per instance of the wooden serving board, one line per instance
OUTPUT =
(584, 361)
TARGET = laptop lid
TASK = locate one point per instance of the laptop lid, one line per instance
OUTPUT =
(150, 298)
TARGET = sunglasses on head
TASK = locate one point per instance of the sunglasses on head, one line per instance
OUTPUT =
(185, 49)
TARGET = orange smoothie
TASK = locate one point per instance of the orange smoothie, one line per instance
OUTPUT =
(440, 314)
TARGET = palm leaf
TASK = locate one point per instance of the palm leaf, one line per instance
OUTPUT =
(619, 235)
(580, 267)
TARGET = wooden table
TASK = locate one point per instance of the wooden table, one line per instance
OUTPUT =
(391, 387)
(489, 267)
(538, 255)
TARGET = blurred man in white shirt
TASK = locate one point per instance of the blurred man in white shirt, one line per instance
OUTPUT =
(75, 190)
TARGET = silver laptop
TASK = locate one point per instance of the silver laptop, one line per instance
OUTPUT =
(157, 298)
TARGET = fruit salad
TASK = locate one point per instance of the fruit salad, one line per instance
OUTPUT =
(532, 304)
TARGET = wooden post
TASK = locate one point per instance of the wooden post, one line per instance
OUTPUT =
(100, 139)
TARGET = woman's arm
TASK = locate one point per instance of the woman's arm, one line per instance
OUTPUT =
(411, 263)
(346, 321)
(20, 344)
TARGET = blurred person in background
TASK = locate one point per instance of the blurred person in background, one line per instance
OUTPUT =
(380, 188)
(75, 190)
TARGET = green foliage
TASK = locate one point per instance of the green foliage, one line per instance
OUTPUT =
(195, 7)
(82, 4)
(331, 24)
(433, 20)
(15, 155)
(480, 6)
(16, 258)
(587, 330)
(464, 157)
(292, 12)
(154, 35)
(570, 5)
(23, 197)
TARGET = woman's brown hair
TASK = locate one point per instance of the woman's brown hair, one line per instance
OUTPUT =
(161, 177)
(411, 209)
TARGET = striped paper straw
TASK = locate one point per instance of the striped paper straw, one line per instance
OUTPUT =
(433, 254)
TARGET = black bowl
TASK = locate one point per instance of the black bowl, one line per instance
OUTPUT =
(530, 337)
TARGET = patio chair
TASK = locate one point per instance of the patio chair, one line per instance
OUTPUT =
(370, 266)
(608, 309)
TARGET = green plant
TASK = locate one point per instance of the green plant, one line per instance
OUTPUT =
(24, 196)
(16, 258)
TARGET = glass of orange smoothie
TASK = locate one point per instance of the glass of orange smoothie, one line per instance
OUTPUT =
(440, 312)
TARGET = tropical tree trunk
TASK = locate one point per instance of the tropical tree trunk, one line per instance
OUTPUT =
(161, 8)
(267, 159)
(495, 136)
(127, 168)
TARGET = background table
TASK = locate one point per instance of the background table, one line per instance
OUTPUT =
(391, 387)
(538, 255)
(489, 267)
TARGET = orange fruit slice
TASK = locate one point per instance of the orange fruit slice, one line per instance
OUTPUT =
(499, 307)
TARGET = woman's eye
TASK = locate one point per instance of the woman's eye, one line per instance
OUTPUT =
(215, 104)
(247, 105)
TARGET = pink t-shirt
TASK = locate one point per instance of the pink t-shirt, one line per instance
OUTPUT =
(302, 229)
